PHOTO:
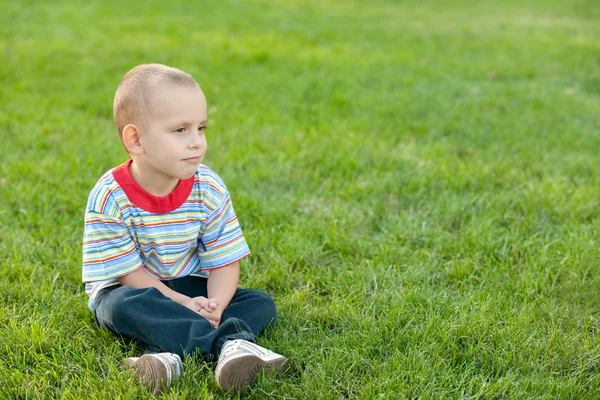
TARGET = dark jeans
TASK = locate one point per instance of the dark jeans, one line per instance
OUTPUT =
(165, 325)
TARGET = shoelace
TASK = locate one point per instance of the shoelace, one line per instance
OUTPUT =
(230, 347)
(248, 346)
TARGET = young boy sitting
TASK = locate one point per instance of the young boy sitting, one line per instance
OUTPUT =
(162, 243)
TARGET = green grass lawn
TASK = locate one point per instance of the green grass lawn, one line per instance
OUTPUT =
(419, 183)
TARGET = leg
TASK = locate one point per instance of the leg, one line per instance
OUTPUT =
(240, 360)
(149, 316)
(254, 307)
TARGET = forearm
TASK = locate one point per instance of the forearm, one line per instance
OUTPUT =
(143, 279)
(222, 283)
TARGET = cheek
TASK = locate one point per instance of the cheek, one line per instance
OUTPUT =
(163, 151)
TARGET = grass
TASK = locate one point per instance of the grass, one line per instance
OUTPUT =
(418, 182)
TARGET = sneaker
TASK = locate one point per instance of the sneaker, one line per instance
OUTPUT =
(155, 371)
(240, 361)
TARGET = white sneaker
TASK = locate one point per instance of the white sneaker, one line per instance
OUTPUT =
(155, 371)
(240, 361)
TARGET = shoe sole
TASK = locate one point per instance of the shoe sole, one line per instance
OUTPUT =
(240, 371)
(150, 372)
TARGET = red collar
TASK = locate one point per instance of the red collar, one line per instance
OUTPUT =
(147, 201)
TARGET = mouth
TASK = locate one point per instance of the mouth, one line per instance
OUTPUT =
(193, 159)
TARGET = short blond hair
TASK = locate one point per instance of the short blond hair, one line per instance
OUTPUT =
(133, 94)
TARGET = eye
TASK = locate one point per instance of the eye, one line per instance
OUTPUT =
(180, 130)
(202, 128)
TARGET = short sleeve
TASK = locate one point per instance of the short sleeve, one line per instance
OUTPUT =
(108, 249)
(222, 241)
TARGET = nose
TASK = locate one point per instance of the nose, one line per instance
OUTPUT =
(196, 141)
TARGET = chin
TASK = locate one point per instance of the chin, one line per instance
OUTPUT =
(183, 177)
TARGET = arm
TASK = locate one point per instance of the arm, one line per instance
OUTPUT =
(222, 283)
(221, 286)
(223, 245)
(143, 279)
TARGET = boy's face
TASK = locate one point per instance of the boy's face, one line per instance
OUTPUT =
(172, 133)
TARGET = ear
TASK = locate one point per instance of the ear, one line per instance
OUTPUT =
(132, 140)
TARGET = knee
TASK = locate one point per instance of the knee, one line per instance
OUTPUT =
(112, 308)
(267, 305)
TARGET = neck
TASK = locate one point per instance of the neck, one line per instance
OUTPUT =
(152, 181)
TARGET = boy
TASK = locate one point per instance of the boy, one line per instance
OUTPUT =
(154, 227)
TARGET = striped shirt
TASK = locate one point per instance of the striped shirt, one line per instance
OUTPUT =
(190, 231)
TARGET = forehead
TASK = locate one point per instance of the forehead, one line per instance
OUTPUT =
(173, 101)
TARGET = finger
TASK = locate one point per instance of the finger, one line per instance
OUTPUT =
(203, 301)
(208, 311)
(206, 316)
(201, 304)
(210, 320)
(214, 321)
(208, 304)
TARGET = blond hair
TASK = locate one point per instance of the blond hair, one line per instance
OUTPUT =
(133, 94)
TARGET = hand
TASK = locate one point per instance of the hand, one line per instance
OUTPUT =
(196, 304)
(212, 312)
